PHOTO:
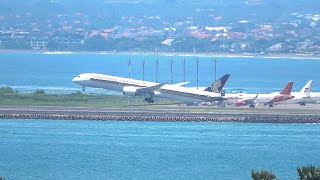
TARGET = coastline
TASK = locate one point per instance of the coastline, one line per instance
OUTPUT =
(192, 54)
(285, 116)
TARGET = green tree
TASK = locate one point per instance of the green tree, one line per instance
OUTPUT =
(189, 44)
(308, 173)
(96, 43)
(39, 91)
(124, 44)
(18, 44)
(53, 45)
(262, 175)
(6, 90)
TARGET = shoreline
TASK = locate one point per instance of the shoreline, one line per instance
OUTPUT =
(192, 54)
(158, 115)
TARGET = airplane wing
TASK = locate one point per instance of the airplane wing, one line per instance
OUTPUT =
(180, 84)
(247, 101)
(149, 90)
(251, 100)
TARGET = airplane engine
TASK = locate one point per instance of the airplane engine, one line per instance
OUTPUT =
(129, 91)
(240, 103)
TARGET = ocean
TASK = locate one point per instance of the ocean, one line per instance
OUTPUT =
(55, 149)
(47, 149)
(27, 72)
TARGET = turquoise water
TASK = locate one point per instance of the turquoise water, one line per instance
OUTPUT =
(54, 72)
(44, 149)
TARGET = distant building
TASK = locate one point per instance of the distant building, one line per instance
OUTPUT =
(276, 47)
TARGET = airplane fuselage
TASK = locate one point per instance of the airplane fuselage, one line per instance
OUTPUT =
(258, 98)
(128, 86)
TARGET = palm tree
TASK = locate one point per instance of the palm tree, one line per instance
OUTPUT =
(309, 173)
(262, 175)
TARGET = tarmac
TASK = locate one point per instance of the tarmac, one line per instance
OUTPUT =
(170, 113)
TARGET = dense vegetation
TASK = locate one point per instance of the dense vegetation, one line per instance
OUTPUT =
(142, 25)
(165, 8)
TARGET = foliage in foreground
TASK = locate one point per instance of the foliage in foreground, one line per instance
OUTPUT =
(304, 172)
(309, 173)
(262, 175)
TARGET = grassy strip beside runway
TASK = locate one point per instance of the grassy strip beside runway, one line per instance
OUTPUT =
(8, 96)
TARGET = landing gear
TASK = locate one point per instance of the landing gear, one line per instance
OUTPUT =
(221, 104)
(83, 88)
(270, 105)
(302, 104)
(149, 100)
(252, 105)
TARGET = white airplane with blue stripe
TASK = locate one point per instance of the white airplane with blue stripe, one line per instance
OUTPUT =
(150, 90)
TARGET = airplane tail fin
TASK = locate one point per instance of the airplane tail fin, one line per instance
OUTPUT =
(287, 89)
(218, 85)
(305, 91)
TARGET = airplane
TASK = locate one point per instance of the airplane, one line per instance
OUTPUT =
(244, 99)
(248, 100)
(305, 95)
(314, 97)
(218, 85)
(133, 87)
(301, 97)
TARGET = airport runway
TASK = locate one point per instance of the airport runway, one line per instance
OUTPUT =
(277, 114)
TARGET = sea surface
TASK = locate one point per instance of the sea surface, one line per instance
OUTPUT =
(54, 72)
(44, 149)
(55, 149)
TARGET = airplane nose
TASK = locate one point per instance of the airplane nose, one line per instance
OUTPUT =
(76, 79)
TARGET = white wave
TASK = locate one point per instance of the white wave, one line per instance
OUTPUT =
(294, 57)
(105, 52)
(57, 52)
